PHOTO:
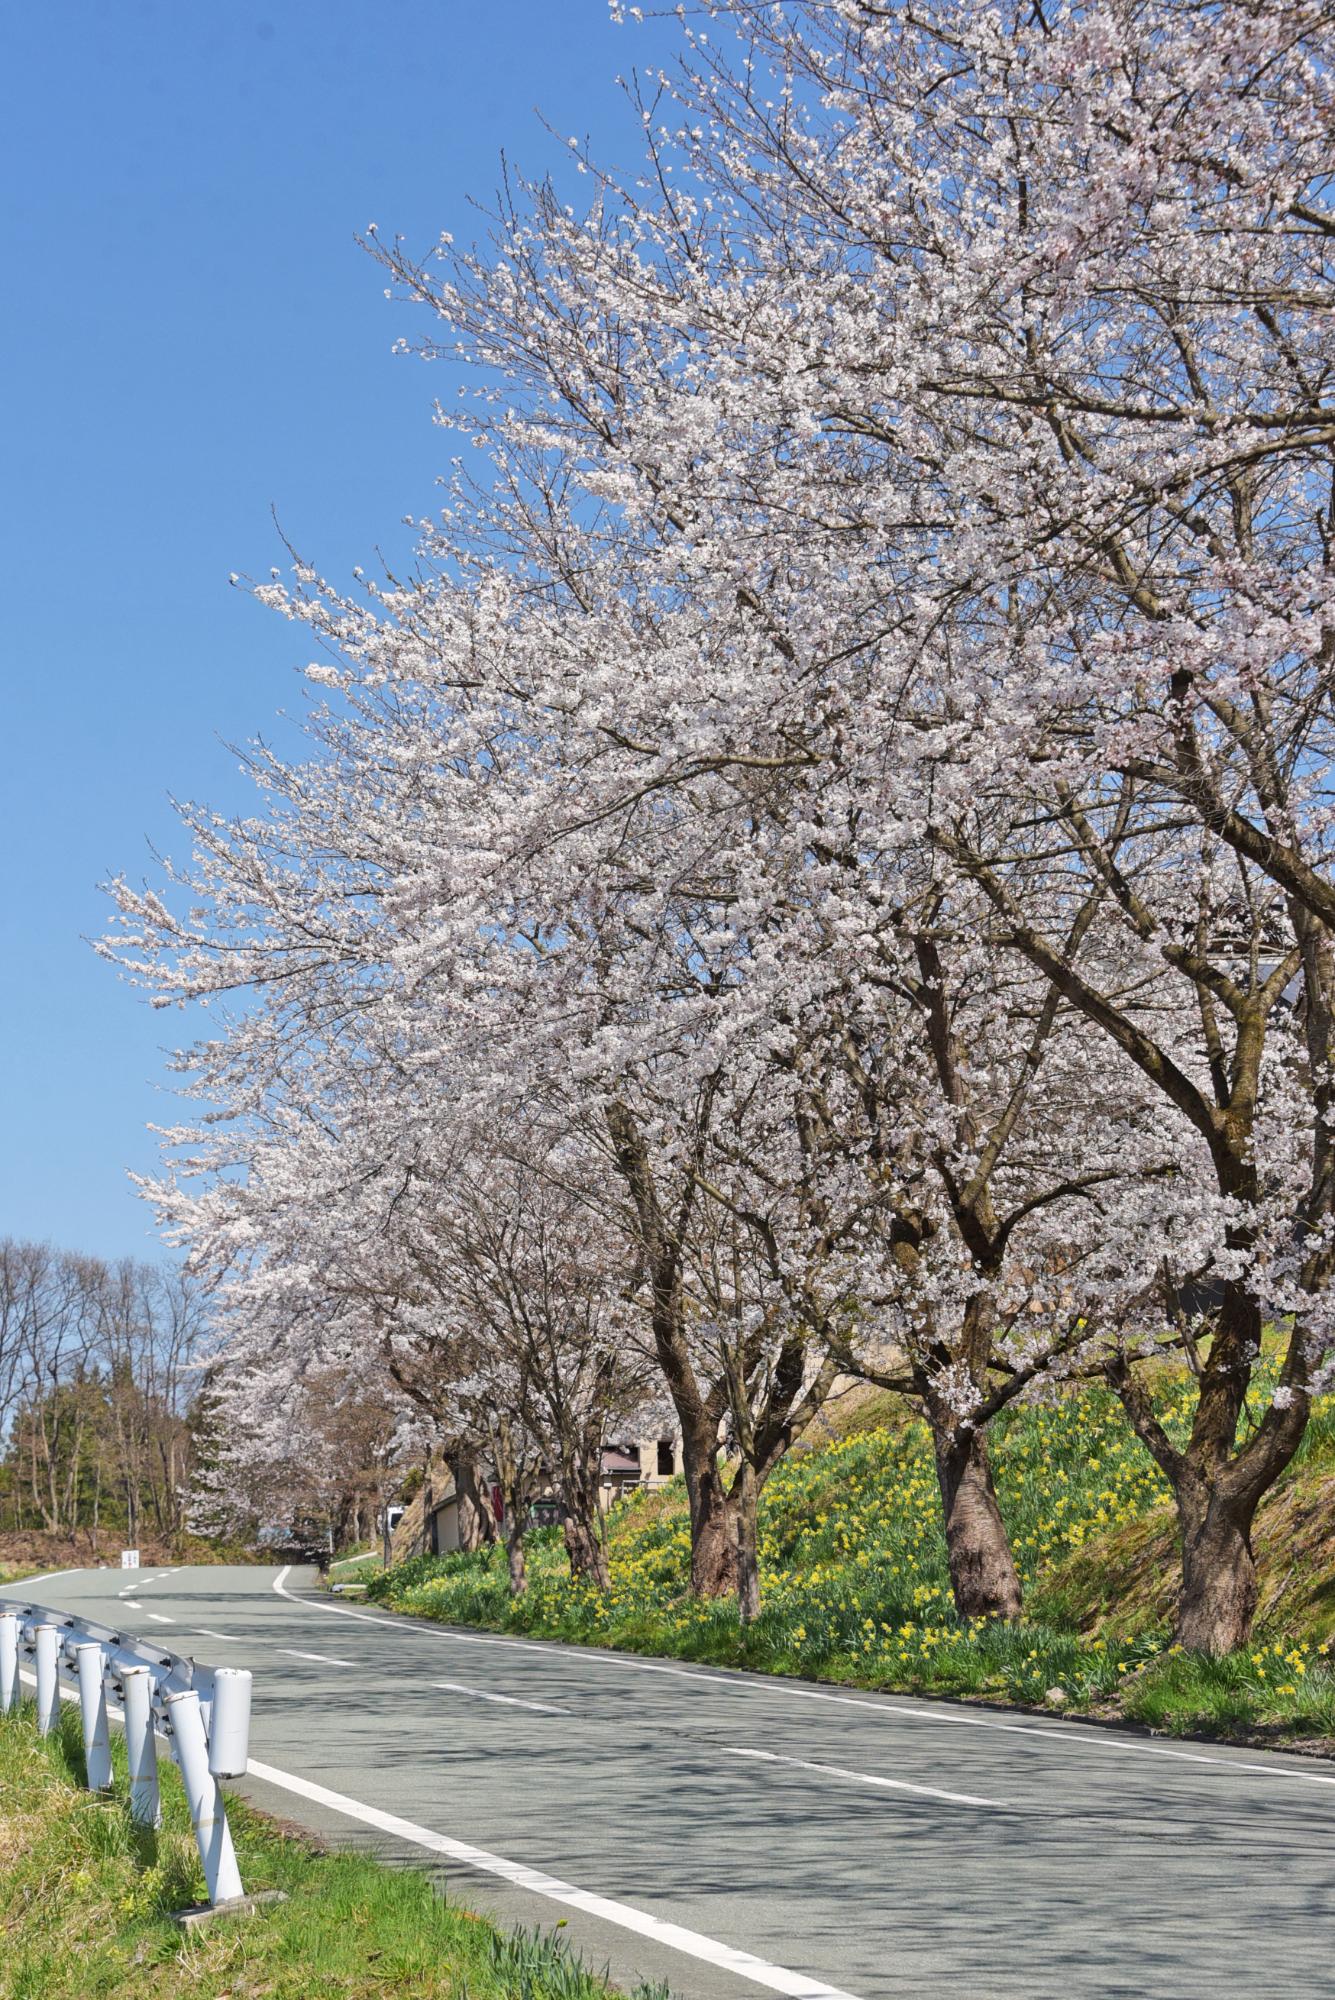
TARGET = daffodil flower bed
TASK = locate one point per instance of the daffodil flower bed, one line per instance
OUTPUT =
(855, 1587)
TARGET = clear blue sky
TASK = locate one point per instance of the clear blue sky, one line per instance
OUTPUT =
(190, 337)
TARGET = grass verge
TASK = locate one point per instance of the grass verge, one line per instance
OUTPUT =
(855, 1588)
(86, 1902)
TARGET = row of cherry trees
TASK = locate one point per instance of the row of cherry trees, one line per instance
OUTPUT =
(825, 864)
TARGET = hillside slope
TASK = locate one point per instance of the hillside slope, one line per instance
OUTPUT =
(855, 1586)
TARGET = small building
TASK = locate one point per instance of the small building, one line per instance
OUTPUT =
(645, 1465)
(653, 1461)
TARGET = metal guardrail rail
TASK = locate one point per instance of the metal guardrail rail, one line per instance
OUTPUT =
(203, 1713)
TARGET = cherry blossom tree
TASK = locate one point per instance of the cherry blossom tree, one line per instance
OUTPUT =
(859, 746)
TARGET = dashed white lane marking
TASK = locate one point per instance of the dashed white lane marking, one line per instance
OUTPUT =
(860, 1777)
(510, 1700)
(321, 1659)
(161, 1618)
(133, 1604)
(694, 1944)
(203, 1632)
(1065, 1739)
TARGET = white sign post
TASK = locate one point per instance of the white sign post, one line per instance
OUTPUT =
(129, 1558)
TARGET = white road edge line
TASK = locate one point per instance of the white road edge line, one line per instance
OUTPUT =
(861, 1777)
(49, 1577)
(1066, 1738)
(510, 1700)
(320, 1659)
(694, 1944)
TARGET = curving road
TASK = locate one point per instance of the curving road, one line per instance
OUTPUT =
(735, 1835)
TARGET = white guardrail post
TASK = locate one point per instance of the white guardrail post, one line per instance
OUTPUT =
(46, 1644)
(203, 1712)
(229, 1722)
(141, 1746)
(9, 1660)
(88, 1663)
(208, 1815)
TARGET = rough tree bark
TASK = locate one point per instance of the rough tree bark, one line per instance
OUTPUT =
(515, 1495)
(514, 1552)
(588, 1562)
(1217, 1489)
(584, 1546)
(477, 1518)
(1217, 1601)
(983, 1577)
(709, 1506)
(748, 1557)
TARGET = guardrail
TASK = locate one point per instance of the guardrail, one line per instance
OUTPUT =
(203, 1712)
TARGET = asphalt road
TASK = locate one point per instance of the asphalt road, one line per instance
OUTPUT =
(735, 1835)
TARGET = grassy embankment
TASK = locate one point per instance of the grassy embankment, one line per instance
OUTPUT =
(86, 1902)
(855, 1586)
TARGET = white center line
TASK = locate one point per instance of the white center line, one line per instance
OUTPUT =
(510, 1700)
(132, 1604)
(321, 1659)
(861, 1777)
(777, 1978)
(203, 1632)
(161, 1618)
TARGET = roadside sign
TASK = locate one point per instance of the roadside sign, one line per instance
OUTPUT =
(129, 1558)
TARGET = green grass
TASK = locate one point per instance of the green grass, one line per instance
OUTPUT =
(855, 1586)
(86, 1902)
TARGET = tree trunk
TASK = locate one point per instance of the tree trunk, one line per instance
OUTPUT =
(1216, 1488)
(588, 1562)
(1217, 1601)
(514, 1550)
(578, 1485)
(713, 1522)
(748, 1558)
(983, 1575)
(477, 1519)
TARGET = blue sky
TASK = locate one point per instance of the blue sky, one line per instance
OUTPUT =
(191, 338)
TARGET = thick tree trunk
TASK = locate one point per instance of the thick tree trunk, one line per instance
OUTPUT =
(578, 1487)
(748, 1558)
(1217, 1488)
(477, 1518)
(713, 1517)
(588, 1563)
(1217, 1601)
(983, 1576)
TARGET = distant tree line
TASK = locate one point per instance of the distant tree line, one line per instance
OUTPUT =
(100, 1393)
